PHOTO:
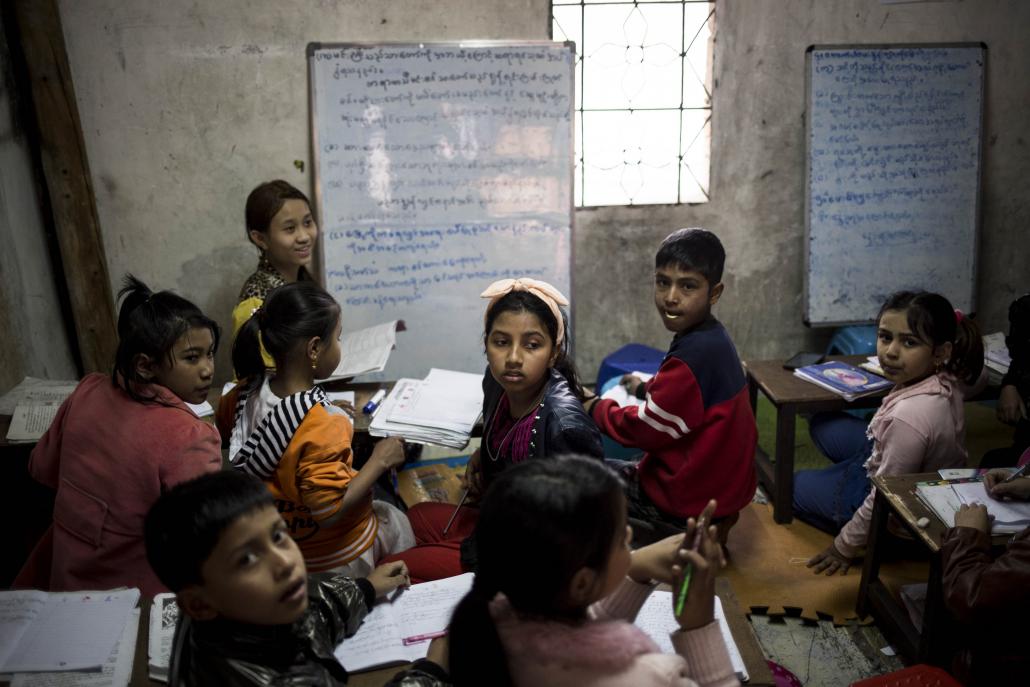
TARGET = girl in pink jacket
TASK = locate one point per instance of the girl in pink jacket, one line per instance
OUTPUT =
(119, 442)
(557, 589)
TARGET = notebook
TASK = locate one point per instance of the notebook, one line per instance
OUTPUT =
(657, 621)
(164, 614)
(843, 379)
(944, 497)
(399, 631)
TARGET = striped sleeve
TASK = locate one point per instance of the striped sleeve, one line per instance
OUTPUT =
(673, 406)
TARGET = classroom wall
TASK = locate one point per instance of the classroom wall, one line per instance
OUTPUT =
(33, 339)
(185, 106)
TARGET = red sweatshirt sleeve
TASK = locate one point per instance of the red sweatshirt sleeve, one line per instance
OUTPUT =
(673, 407)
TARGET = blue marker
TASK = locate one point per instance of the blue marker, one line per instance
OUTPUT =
(374, 402)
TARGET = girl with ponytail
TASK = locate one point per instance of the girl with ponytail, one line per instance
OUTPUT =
(120, 441)
(532, 408)
(281, 427)
(557, 588)
(934, 355)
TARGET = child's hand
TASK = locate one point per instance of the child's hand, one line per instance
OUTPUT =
(472, 480)
(389, 576)
(631, 383)
(389, 453)
(345, 406)
(655, 561)
(1011, 408)
(974, 516)
(699, 608)
(829, 561)
(1018, 488)
(439, 652)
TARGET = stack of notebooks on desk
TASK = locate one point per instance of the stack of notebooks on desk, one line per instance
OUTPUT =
(440, 409)
(843, 379)
(68, 638)
(943, 498)
(996, 357)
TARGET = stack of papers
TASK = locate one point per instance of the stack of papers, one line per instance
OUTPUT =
(366, 350)
(996, 357)
(65, 631)
(843, 379)
(164, 614)
(34, 404)
(440, 409)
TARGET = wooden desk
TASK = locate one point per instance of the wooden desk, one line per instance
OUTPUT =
(790, 396)
(934, 642)
(750, 651)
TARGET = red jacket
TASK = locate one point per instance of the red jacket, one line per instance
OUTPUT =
(696, 427)
(109, 457)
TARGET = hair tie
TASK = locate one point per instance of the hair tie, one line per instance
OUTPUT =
(551, 297)
(959, 316)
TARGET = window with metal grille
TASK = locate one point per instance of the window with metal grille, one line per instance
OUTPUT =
(643, 98)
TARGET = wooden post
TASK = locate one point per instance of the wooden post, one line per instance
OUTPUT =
(70, 186)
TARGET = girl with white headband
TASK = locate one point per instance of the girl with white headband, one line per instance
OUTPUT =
(532, 408)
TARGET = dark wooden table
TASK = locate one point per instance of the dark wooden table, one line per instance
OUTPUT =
(790, 396)
(935, 640)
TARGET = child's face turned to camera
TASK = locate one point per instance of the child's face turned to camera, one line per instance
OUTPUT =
(520, 351)
(683, 297)
(255, 574)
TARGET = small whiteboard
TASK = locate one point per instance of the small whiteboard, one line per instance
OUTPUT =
(440, 168)
(893, 175)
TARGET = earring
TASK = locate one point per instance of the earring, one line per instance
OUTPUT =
(314, 363)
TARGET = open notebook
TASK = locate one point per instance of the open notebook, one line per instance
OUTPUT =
(944, 498)
(656, 619)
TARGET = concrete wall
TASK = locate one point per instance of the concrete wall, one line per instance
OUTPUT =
(33, 339)
(185, 106)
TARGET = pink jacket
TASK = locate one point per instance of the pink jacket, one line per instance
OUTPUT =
(109, 457)
(920, 428)
(607, 650)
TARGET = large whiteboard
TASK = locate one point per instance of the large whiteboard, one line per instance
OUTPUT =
(440, 168)
(893, 167)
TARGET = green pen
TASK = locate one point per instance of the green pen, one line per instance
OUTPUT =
(681, 598)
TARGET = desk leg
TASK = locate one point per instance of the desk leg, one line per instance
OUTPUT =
(783, 498)
(935, 642)
(871, 567)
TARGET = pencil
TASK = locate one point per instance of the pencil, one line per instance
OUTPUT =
(461, 503)
(688, 572)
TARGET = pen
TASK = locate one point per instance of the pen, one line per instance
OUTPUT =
(455, 513)
(415, 639)
(681, 598)
(1021, 472)
(374, 402)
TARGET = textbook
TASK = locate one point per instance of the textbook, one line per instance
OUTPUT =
(944, 497)
(164, 614)
(366, 350)
(400, 630)
(843, 379)
(657, 621)
(440, 409)
(33, 405)
(59, 631)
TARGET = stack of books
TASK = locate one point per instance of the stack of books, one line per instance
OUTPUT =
(440, 409)
(164, 615)
(996, 357)
(843, 379)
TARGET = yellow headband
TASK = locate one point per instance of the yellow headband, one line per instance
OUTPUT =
(551, 297)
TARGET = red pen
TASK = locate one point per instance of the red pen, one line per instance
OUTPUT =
(415, 639)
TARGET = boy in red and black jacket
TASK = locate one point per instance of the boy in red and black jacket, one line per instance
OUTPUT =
(696, 426)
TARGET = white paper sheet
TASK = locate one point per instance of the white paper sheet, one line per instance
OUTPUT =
(30, 422)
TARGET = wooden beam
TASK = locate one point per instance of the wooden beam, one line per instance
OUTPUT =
(68, 181)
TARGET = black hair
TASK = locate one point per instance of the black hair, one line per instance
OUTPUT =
(693, 249)
(290, 313)
(266, 200)
(149, 324)
(524, 301)
(184, 525)
(934, 321)
(541, 521)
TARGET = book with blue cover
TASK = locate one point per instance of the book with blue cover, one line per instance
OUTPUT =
(843, 379)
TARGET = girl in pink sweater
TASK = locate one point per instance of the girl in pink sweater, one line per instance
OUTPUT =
(933, 354)
(557, 588)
